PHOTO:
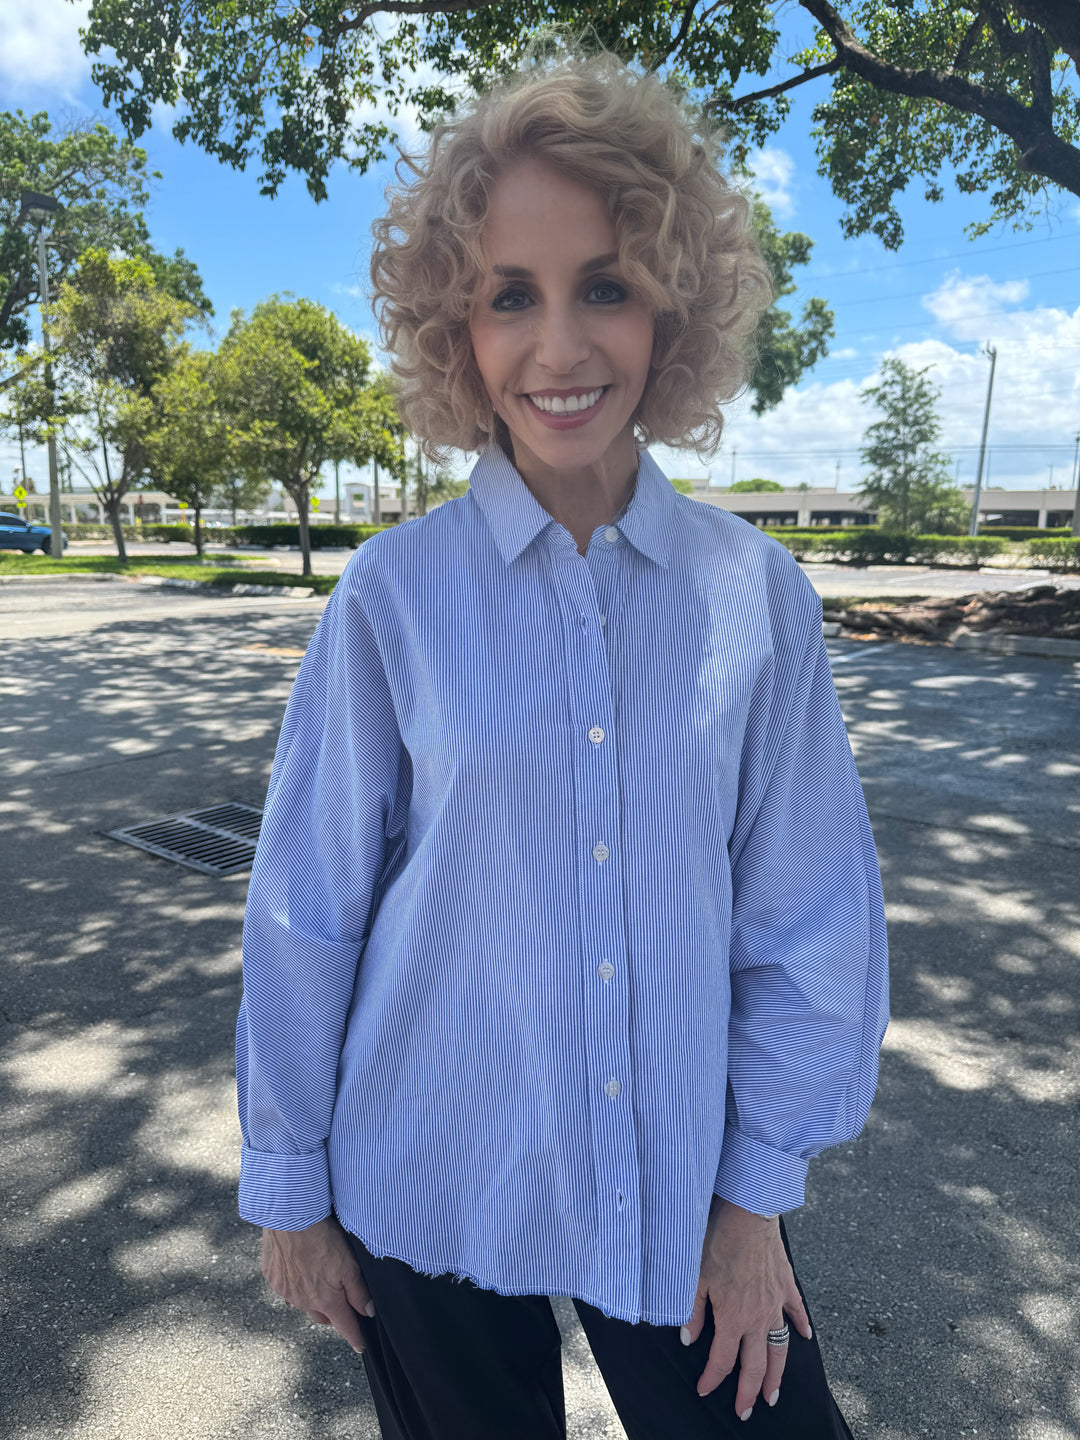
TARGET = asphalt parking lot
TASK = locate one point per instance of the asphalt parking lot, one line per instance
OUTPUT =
(939, 1251)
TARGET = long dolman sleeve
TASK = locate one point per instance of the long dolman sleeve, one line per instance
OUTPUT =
(808, 953)
(328, 834)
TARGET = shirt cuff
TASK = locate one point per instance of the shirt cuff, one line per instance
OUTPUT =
(284, 1192)
(760, 1178)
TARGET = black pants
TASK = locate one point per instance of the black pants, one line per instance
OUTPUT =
(448, 1361)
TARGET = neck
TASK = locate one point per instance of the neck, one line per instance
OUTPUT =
(581, 499)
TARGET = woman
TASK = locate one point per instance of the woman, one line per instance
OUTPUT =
(564, 949)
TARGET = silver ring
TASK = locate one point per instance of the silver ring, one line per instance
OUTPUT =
(778, 1337)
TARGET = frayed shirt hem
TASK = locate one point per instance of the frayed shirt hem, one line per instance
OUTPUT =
(434, 1269)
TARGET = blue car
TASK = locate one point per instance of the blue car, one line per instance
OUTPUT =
(17, 534)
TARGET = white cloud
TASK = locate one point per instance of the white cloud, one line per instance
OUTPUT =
(773, 171)
(1035, 403)
(966, 305)
(39, 45)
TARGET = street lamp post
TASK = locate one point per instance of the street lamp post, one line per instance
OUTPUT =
(39, 208)
(973, 527)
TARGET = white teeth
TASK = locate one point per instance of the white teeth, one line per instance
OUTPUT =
(555, 405)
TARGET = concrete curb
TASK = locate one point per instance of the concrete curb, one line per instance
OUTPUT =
(989, 642)
(287, 592)
(15, 579)
(997, 644)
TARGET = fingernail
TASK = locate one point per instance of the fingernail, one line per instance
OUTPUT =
(747, 1413)
(369, 1308)
(809, 1333)
(684, 1335)
(774, 1397)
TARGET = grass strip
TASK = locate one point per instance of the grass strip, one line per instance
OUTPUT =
(13, 563)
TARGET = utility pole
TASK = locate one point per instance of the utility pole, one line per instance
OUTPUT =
(375, 496)
(337, 492)
(40, 208)
(973, 528)
(734, 456)
(1076, 486)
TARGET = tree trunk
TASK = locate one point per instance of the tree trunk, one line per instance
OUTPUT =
(198, 530)
(112, 504)
(300, 495)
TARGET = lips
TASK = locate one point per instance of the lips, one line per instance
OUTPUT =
(567, 419)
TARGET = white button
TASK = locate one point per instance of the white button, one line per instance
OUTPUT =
(603, 619)
(600, 852)
(612, 1088)
(605, 970)
(611, 534)
(596, 734)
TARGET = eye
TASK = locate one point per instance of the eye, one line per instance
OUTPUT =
(506, 298)
(620, 293)
(497, 303)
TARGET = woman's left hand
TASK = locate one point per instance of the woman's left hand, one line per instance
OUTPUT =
(746, 1274)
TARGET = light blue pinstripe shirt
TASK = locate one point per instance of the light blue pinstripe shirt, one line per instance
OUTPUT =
(566, 911)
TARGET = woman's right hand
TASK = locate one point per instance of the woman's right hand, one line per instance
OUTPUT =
(316, 1271)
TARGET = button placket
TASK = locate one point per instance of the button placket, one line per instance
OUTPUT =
(605, 997)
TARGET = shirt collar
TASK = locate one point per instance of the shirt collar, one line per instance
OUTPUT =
(515, 516)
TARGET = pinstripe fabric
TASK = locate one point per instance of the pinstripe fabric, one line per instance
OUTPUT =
(566, 910)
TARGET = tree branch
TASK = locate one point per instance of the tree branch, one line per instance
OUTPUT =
(1012, 45)
(676, 44)
(1060, 19)
(407, 7)
(1042, 93)
(24, 369)
(737, 102)
(967, 44)
(1042, 151)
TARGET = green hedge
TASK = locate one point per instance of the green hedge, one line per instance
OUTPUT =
(1024, 532)
(863, 545)
(1055, 554)
(322, 536)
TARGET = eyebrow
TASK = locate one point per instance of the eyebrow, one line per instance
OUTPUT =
(518, 272)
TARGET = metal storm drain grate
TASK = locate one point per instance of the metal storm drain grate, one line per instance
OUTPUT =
(218, 841)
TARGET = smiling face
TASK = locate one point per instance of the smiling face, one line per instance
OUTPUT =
(556, 319)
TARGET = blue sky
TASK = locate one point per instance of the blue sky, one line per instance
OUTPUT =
(935, 302)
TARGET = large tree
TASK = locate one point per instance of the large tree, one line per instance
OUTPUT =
(118, 333)
(908, 481)
(906, 90)
(191, 449)
(100, 181)
(295, 384)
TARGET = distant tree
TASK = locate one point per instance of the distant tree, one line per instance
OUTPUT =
(754, 487)
(785, 351)
(118, 333)
(917, 89)
(909, 484)
(294, 382)
(191, 451)
(101, 182)
(684, 487)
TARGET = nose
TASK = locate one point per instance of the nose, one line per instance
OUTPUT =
(561, 340)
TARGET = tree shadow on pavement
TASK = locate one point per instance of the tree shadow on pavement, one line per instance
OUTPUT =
(943, 1242)
(938, 1250)
(132, 1304)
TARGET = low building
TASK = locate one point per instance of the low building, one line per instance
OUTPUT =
(806, 508)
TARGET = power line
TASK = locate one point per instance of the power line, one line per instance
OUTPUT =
(923, 294)
(937, 259)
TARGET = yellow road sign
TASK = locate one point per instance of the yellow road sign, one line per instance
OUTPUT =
(314, 502)
(20, 493)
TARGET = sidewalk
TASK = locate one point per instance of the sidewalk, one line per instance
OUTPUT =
(939, 1252)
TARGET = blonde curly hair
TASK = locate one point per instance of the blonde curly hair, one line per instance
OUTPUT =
(685, 243)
